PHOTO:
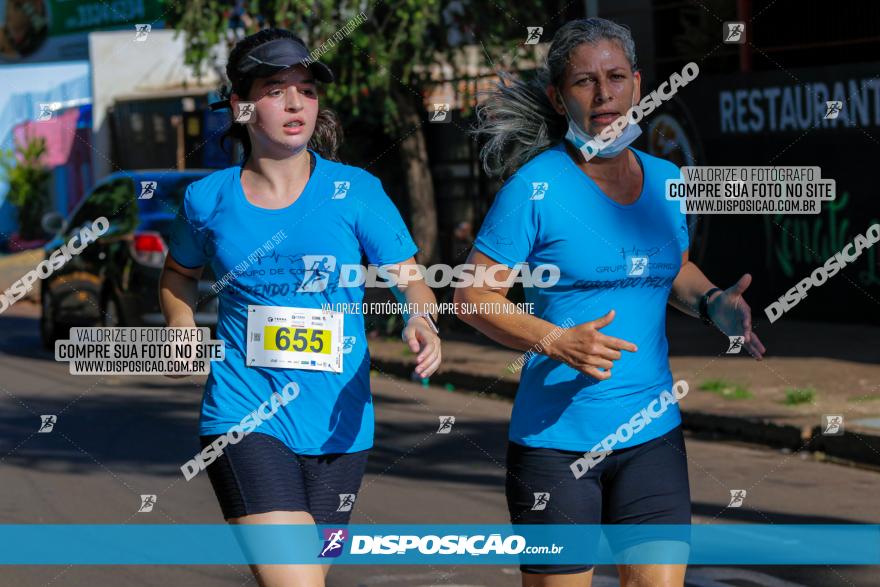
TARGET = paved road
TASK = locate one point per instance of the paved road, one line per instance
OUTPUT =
(117, 438)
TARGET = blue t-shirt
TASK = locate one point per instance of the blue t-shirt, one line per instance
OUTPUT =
(262, 257)
(610, 256)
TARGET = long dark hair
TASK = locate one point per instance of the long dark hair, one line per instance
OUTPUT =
(327, 137)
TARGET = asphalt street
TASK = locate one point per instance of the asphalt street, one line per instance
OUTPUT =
(118, 437)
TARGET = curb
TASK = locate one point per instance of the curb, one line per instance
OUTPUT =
(858, 448)
(14, 266)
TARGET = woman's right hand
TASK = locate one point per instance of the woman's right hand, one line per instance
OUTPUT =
(584, 348)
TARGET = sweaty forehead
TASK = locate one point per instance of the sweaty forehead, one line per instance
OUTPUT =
(601, 56)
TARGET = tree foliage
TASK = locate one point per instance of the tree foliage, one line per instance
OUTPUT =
(383, 60)
(28, 180)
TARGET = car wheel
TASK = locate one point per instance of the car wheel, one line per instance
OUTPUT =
(111, 313)
(49, 328)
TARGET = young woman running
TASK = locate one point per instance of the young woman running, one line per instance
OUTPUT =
(278, 231)
(622, 252)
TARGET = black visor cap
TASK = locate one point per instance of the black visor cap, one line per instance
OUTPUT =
(277, 55)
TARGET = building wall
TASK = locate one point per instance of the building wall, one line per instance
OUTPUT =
(122, 67)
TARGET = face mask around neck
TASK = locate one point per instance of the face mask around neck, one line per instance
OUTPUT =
(591, 146)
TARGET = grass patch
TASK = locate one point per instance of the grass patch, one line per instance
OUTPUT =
(865, 398)
(795, 396)
(726, 389)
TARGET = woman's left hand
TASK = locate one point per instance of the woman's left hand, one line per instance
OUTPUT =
(422, 340)
(732, 315)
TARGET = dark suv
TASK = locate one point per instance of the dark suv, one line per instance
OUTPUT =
(115, 280)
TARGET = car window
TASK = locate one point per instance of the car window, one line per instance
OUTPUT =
(114, 200)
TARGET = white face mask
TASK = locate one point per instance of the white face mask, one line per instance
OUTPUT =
(588, 143)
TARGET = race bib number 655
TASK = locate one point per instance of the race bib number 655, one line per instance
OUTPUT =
(282, 338)
(294, 338)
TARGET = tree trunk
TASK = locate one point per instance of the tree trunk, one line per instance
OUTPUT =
(419, 183)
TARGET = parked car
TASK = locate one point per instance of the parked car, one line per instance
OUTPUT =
(115, 280)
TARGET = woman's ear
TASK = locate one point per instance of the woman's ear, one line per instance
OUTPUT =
(555, 99)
